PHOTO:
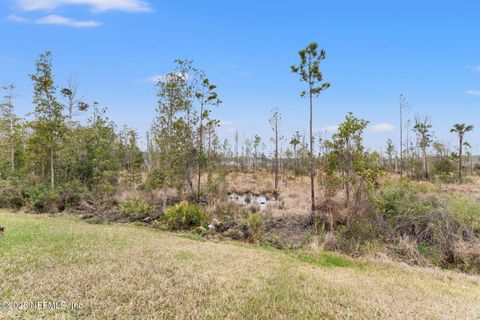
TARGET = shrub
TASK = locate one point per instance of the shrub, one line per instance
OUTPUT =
(230, 214)
(155, 179)
(11, 198)
(360, 231)
(135, 206)
(408, 249)
(467, 210)
(467, 255)
(476, 168)
(71, 194)
(228, 209)
(40, 199)
(216, 189)
(254, 223)
(424, 225)
(401, 199)
(104, 194)
(443, 167)
(184, 216)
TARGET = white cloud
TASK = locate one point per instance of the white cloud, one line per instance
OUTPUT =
(95, 5)
(15, 18)
(476, 68)
(382, 127)
(474, 92)
(56, 20)
(59, 20)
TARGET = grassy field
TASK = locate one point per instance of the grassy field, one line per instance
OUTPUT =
(128, 272)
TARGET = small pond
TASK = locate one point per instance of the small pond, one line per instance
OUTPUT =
(248, 199)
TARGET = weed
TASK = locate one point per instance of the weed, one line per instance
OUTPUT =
(184, 216)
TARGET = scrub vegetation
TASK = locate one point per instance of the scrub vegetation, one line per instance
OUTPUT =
(291, 227)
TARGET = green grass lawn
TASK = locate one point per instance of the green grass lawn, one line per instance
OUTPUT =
(127, 272)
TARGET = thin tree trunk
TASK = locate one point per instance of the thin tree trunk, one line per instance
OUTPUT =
(460, 150)
(312, 173)
(296, 157)
(52, 170)
(13, 159)
(425, 163)
(70, 107)
(200, 152)
(401, 141)
(276, 153)
(347, 185)
(12, 148)
(358, 193)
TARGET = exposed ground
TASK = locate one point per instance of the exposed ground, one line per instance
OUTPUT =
(127, 272)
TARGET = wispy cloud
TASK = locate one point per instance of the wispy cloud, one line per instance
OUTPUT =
(474, 92)
(56, 20)
(382, 127)
(95, 5)
(476, 68)
(59, 20)
(15, 18)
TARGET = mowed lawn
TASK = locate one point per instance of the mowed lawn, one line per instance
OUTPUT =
(128, 272)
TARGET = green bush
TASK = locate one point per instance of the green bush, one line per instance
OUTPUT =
(40, 199)
(135, 206)
(11, 197)
(155, 179)
(428, 224)
(254, 222)
(402, 199)
(184, 216)
(443, 167)
(71, 194)
(466, 210)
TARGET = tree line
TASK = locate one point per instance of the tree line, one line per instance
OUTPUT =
(422, 156)
(51, 148)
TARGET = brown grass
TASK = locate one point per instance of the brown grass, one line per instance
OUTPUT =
(125, 272)
(293, 192)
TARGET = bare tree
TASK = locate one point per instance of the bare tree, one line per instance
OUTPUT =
(236, 146)
(274, 122)
(403, 107)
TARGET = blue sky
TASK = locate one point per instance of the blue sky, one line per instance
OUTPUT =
(376, 50)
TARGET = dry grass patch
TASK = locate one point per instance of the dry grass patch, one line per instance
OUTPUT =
(125, 272)
(293, 192)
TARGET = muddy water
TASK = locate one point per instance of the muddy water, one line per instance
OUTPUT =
(248, 199)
